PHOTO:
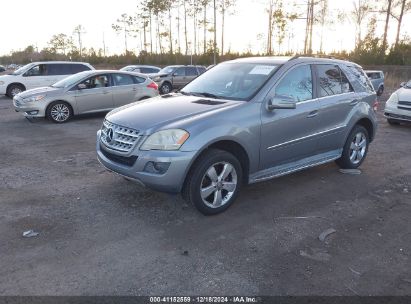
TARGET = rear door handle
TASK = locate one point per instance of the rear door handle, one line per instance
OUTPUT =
(354, 102)
(134, 89)
(312, 114)
(106, 92)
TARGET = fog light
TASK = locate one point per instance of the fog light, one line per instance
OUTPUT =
(32, 112)
(156, 167)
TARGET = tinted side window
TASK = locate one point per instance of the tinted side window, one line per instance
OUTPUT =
(54, 69)
(191, 71)
(98, 81)
(345, 83)
(329, 80)
(297, 84)
(38, 70)
(180, 72)
(77, 67)
(122, 79)
(138, 79)
(201, 70)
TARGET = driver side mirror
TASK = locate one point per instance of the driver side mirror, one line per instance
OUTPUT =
(82, 86)
(281, 102)
(402, 84)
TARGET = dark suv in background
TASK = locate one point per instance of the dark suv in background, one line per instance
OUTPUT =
(176, 76)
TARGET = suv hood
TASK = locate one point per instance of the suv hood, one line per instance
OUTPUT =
(37, 91)
(404, 94)
(157, 112)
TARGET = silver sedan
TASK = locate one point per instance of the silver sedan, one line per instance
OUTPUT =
(85, 92)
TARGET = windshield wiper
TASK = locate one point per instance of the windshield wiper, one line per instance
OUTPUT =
(204, 94)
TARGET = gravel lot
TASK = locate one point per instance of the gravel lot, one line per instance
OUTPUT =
(102, 235)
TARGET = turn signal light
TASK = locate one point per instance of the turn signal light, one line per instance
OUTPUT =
(375, 105)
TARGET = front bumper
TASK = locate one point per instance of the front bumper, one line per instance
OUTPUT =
(171, 181)
(392, 112)
(29, 109)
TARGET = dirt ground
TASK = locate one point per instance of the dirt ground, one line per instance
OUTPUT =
(102, 235)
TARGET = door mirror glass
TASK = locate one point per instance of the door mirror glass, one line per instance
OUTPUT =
(281, 102)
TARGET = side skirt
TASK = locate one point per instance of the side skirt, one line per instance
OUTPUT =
(294, 166)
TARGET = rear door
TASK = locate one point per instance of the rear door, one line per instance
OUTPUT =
(289, 135)
(191, 73)
(125, 90)
(96, 95)
(337, 99)
(57, 71)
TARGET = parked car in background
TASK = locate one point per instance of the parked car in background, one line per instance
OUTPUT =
(85, 92)
(2, 68)
(143, 69)
(377, 80)
(241, 122)
(398, 106)
(39, 74)
(176, 76)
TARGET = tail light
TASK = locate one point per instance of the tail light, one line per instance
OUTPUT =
(375, 105)
(153, 85)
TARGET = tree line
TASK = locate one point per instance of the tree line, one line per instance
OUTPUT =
(185, 31)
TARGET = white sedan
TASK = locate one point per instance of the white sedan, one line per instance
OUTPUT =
(398, 106)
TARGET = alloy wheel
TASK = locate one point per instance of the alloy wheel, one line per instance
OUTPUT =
(218, 184)
(60, 112)
(358, 148)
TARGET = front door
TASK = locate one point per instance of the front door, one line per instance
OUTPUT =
(94, 94)
(36, 77)
(289, 135)
(179, 77)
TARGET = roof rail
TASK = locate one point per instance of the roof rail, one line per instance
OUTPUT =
(317, 56)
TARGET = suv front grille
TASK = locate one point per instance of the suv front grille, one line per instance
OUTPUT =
(404, 105)
(124, 160)
(118, 138)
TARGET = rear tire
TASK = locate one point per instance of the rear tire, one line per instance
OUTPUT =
(166, 88)
(59, 112)
(355, 148)
(380, 91)
(213, 182)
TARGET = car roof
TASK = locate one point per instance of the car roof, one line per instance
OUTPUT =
(372, 71)
(278, 60)
(70, 62)
(142, 66)
(116, 72)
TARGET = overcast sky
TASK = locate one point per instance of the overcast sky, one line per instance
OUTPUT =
(25, 22)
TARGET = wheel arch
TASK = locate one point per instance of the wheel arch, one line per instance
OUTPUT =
(368, 125)
(16, 83)
(227, 145)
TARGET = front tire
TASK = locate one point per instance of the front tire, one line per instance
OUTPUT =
(59, 112)
(213, 182)
(355, 148)
(166, 88)
(14, 89)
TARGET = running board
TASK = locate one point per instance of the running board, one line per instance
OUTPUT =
(294, 166)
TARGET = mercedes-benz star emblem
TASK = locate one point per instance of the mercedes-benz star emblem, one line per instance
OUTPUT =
(110, 135)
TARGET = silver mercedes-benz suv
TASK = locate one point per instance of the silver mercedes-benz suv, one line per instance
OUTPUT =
(242, 122)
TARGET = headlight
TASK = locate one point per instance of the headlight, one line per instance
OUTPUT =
(393, 98)
(156, 78)
(34, 98)
(171, 139)
(1, 82)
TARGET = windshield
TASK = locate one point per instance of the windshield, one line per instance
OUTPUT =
(128, 68)
(408, 84)
(22, 69)
(236, 81)
(71, 80)
(167, 70)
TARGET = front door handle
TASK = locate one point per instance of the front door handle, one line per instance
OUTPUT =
(134, 89)
(354, 102)
(312, 114)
